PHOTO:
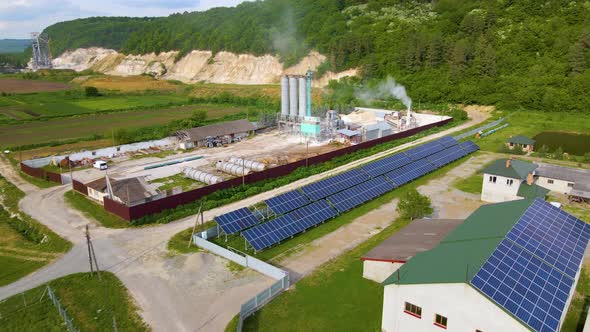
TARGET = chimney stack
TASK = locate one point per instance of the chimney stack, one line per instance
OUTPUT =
(530, 179)
(508, 161)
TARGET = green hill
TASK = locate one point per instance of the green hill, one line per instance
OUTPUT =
(512, 53)
(14, 45)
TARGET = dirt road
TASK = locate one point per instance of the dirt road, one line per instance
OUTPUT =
(186, 292)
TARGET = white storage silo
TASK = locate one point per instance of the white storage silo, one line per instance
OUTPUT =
(232, 169)
(251, 164)
(302, 97)
(293, 96)
(285, 96)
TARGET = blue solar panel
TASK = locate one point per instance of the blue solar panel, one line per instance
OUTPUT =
(329, 186)
(286, 202)
(448, 141)
(388, 164)
(361, 193)
(424, 150)
(469, 146)
(525, 286)
(553, 235)
(411, 172)
(235, 221)
(313, 214)
(447, 156)
(277, 230)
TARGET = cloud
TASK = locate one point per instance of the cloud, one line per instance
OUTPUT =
(20, 17)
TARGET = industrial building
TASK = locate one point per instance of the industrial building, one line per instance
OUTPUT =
(215, 134)
(420, 235)
(131, 191)
(511, 266)
(510, 179)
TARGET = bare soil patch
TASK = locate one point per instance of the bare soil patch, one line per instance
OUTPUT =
(11, 85)
(129, 83)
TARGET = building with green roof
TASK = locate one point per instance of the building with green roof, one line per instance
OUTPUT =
(510, 179)
(521, 142)
(434, 289)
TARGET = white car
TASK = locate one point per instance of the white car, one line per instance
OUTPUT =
(100, 164)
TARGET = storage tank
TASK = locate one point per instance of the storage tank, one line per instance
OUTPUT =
(285, 96)
(293, 96)
(195, 174)
(302, 97)
(232, 169)
(251, 164)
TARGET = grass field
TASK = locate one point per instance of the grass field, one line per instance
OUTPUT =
(102, 124)
(12, 85)
(129, 83)
(179, 242)
(176, 181)
(473, 183)
(92, 304)
(25, 244)
(94, 210)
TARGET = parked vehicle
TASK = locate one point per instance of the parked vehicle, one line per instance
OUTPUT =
(100, 164)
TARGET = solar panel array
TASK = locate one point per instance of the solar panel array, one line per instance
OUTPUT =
(344, 191)
(447, 156)
(235, 221)
(362, 193)
(283, 227)
(532, 271)
(286, 202)
(329, 186)
(469, 146)
(388, 164)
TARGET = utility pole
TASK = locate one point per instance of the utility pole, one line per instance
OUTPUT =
(71, 173)
(307, 152)
(243, 171)
(91, 254)
(199, 214)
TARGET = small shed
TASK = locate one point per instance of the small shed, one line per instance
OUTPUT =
(521, 142)
(420, 235)
(348, 135)
(131, 191)
(198, 136)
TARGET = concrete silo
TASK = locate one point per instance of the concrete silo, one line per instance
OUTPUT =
(302, 97)
(293, 96)
(284, 96)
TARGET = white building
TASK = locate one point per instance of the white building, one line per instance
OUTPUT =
(564, 180)
(474, 278)
(510, 179)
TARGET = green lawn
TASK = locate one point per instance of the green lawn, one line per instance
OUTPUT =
(177, 180)
(576, 315)
(179, 242)
(473, 183)
(25, 244)
(94, 210)
(91, 304)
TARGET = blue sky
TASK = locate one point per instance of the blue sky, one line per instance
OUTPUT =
(20, 17)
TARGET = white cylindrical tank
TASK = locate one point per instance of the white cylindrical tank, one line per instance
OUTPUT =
(251, 164)
(302, 97)
(232, 169)
(201, 176)
(285, 95)
(293, 96)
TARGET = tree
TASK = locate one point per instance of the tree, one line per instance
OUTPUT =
(199, 117)
(558, 153)
(413, 205)
(91, 91)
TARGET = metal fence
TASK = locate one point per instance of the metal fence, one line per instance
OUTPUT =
(251, 306)
(62, 312)
(482, 128)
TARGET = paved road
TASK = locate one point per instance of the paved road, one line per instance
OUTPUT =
(180, 293)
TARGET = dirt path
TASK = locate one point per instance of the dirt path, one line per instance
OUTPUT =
(11, 175)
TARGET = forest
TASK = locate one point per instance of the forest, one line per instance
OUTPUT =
(511, 53)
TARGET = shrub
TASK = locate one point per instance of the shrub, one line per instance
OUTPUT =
(414, 205)
(91, 91)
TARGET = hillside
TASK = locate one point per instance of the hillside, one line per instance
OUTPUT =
(514, 54)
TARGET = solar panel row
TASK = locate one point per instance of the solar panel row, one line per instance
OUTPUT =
(447, 156)
(532, 271)
(410, 172)
(362, 193)
(448, 141)
(425, 150)
(469, 146)
(387, 164)
(235, 221)
(286, 202)
(329, 186)
(277, 230)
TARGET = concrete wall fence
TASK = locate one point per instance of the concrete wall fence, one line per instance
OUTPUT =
(130, 213)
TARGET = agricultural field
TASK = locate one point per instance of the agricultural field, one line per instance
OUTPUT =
(128, 83)
(13, 85)
(25, 244)
(91, 304)
(103, 124)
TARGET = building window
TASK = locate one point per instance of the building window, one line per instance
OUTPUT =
(118, 148)
(413, 310)
(571, 185)
(94, 153)
(440, 321)
(509, 182)
(549, 181)
(493, 179)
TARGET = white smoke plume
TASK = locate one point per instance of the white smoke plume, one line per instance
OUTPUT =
(387, 88)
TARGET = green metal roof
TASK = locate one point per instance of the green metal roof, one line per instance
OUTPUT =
(518, 169)
(532, 191)
(519, 139)
(461, 254)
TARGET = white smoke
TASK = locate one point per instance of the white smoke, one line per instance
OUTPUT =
(387, 88)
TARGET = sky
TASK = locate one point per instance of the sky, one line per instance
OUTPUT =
(18, 18)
